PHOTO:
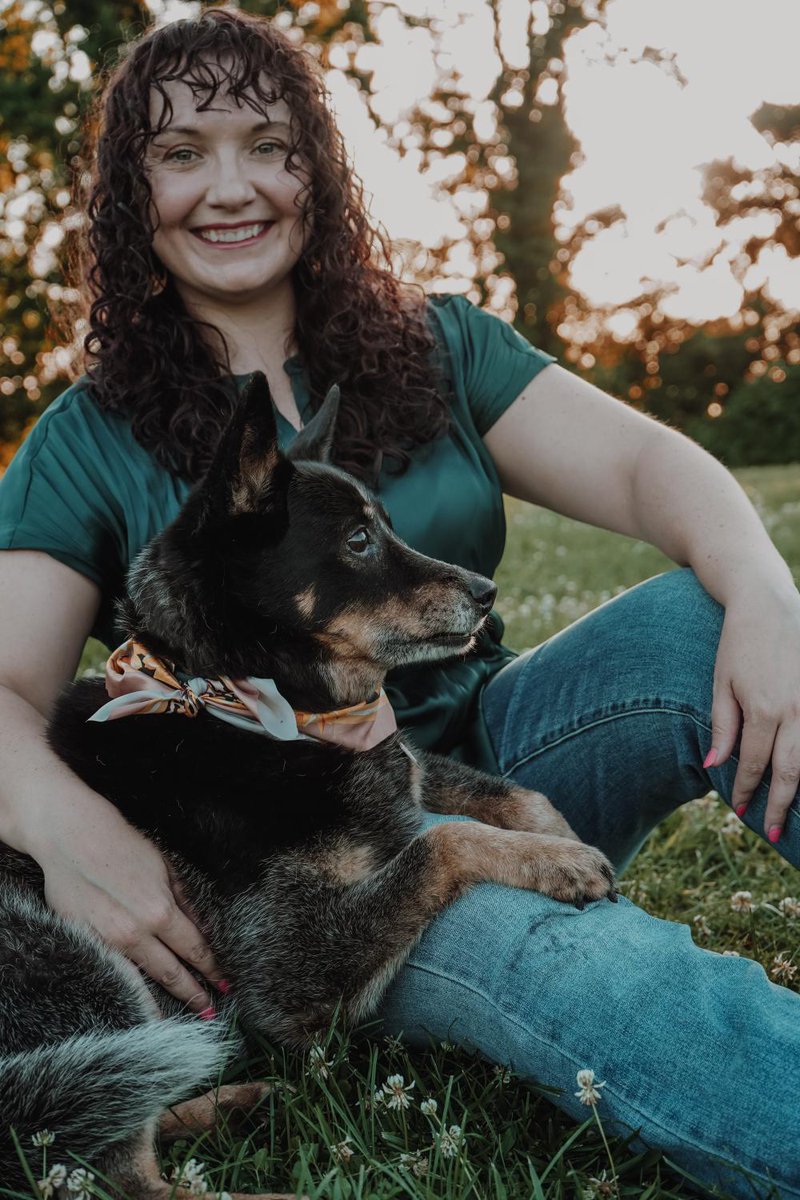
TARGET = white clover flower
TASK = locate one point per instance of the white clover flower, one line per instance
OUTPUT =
(396, 1092)
(742, 902)
(79, 1183)
(701, 925)
(54, 1178)
(782, 968)
(43, 1138)
(317, 1063)
(588, 1093)
(191, 1176)
(429, 1107)
(450, 1141)
(600, 1187)
(731, 826)
(790, 907)
(417, 1163)
(342, 1151)
(731, 954)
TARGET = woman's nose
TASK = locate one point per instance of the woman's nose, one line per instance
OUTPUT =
(230, 186)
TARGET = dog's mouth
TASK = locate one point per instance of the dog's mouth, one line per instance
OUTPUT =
(447, 639)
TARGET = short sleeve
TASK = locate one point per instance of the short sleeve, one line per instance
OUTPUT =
(487, 357)
(55, 495)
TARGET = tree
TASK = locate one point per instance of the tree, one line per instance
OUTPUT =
(46, 58)
(508, 154)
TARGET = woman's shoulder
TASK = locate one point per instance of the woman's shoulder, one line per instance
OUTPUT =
(76, 409)
(74, 424)
(487, 360)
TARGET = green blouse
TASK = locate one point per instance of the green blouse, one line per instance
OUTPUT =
(82, 489)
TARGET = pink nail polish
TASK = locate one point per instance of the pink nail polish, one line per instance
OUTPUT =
(208, 1014)
(774, 833)
(223, 986)
(710, 758)
(741, 810)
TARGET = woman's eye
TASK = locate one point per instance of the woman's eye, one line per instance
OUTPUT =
(269, 145)
(173, 154)
(359, 541)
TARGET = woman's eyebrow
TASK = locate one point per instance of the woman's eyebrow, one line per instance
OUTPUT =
(194, 132)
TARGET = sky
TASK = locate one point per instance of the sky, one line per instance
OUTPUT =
(643, 136)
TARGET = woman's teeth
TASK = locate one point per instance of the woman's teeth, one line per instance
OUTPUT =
(233, 235)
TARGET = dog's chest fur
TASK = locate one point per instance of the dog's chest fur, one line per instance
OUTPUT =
(226, 800)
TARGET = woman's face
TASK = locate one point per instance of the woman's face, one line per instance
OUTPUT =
(226, 209)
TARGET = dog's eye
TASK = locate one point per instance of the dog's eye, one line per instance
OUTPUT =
(359, 541)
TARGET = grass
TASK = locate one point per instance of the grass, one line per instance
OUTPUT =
(319, 1132)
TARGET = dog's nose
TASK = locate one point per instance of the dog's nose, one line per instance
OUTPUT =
(483, 591)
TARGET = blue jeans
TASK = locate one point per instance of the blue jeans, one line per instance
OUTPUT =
(611, 719)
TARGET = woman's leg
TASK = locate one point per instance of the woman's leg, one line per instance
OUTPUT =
(611, 719)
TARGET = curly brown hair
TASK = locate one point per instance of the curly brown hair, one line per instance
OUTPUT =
(356, 324)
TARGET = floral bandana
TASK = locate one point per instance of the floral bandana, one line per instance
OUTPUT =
(139, 683)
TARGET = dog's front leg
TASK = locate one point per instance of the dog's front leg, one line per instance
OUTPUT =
(374, 923)
(450, 787)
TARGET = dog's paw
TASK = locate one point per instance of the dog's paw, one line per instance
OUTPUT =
(572, 872)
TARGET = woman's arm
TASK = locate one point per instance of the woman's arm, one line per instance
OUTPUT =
(566, 445)
(97, 868)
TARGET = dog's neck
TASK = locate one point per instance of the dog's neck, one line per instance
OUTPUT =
(330, 686)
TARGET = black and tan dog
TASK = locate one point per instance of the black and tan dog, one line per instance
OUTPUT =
(303, 858)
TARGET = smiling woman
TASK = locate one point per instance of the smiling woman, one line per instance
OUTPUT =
(227, 219)
(198, 143)
(219, 188)
(226, 231)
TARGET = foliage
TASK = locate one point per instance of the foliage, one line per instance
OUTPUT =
(46, 57)
(772, 192)
(500, 158)
(760, 422)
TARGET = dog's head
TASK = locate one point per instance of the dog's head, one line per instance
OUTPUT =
(282, 565)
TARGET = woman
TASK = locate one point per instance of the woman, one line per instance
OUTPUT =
(227, 235)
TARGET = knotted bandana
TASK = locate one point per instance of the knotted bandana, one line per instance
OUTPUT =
(140, 683)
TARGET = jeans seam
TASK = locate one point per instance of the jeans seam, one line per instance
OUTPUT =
(692, 1144)
(678, 710)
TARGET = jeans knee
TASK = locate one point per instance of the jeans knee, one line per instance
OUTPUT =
(675, 618)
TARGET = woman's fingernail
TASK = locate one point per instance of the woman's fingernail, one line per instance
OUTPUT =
(207, 1014)
(741, 810)
(711, 758)
(774, 833)
(223, 986)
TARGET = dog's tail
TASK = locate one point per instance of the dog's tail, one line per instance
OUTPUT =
(95, 1089)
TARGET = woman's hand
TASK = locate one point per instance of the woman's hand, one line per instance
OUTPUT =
(117, 881)
(757, 680)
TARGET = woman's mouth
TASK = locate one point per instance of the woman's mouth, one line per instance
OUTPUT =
(239, 235)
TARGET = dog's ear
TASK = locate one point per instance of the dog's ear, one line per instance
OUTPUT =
(253, 457)
(315, 440)
(246, 473)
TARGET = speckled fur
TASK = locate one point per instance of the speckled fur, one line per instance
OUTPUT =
(305, 862)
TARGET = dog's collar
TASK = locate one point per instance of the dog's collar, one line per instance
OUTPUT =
(138, 682)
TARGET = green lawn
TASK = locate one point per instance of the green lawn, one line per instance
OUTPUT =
(321, 1133)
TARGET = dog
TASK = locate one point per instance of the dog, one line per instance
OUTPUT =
(289, 808)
